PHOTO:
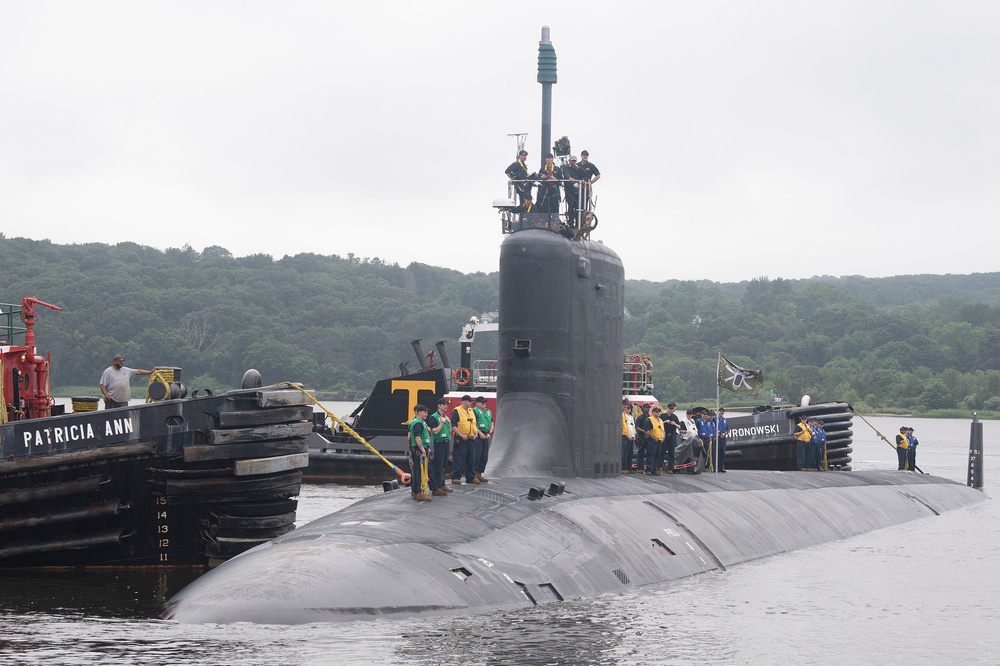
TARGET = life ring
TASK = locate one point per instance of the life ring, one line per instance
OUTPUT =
(635, 358)
(461, 376)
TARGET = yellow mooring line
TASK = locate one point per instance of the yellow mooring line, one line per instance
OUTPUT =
(884, 438)
(404, 478)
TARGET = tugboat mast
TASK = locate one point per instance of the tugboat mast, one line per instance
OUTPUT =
(546, 76)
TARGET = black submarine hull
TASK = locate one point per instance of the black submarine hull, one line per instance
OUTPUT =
(525, 539)
(490, 548)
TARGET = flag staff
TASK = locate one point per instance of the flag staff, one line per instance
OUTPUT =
(718, 373)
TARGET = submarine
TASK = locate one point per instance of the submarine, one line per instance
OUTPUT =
(557, 521)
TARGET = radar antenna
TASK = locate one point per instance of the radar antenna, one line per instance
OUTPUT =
(520, 139)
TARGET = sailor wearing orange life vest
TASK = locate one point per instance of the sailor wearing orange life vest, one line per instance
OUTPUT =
(902, 449)
(463, 428)
(654, 444)
(526, 207)
(803, 436)
(628, 436)
(517, 172)
(548, 188)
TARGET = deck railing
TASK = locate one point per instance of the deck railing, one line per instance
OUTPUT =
(637, 378)
(10, 323)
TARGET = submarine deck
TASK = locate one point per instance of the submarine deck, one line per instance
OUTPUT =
(490, 547)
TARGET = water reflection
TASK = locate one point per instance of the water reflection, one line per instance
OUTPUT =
(561, 634)
(128, 595)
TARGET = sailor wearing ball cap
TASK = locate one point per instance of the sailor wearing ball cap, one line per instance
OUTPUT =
(902, 448)
(517, 173)
(463, 427)
(572, 176)
(911, 453)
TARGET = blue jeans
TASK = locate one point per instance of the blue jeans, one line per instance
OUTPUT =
(626, 453)
(654, 455)
(484, 455)
(815, 455)
(461, 461)
(475, 450)
(801, 454)
(436, 465)
(670, 448)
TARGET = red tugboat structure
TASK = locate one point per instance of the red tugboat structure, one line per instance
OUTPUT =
(27, 368)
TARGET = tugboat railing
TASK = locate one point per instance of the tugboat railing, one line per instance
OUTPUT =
(484, 374)
(637, 378)
(10, 317)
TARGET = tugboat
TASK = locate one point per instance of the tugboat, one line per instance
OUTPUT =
(176, 482)
(762, 439)
(337, 456)
(765, 438)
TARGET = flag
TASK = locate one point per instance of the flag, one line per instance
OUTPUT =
(738, 380)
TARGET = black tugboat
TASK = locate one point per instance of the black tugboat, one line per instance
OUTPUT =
(178, 481)
(765, 438)
(762, 438)
(337, 456)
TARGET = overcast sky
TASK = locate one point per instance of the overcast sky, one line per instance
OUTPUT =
(736, 139)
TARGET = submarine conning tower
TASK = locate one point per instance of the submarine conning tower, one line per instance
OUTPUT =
(560, 338)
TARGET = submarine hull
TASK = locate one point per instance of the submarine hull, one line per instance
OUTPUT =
(491, 547)
(556, 522)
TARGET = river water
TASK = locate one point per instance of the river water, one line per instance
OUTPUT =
(925, 592)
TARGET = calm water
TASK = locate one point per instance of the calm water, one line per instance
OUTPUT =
(926, 592)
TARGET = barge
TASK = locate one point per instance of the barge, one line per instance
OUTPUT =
(176, 482)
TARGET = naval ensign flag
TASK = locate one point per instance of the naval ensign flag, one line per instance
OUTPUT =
(738, 380)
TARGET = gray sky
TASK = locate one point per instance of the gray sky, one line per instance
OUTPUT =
(786, 139)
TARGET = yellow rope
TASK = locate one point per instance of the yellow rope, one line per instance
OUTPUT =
(162, 376)
(874, 428)
(403, 476)
(906, 465)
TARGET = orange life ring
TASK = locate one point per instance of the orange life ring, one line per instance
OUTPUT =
(461, 376)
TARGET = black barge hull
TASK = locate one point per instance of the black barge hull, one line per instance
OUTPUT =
(188, 482)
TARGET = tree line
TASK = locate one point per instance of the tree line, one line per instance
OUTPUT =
(338, 324)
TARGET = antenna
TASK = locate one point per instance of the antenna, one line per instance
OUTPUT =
(520, 139)
(546, 76)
